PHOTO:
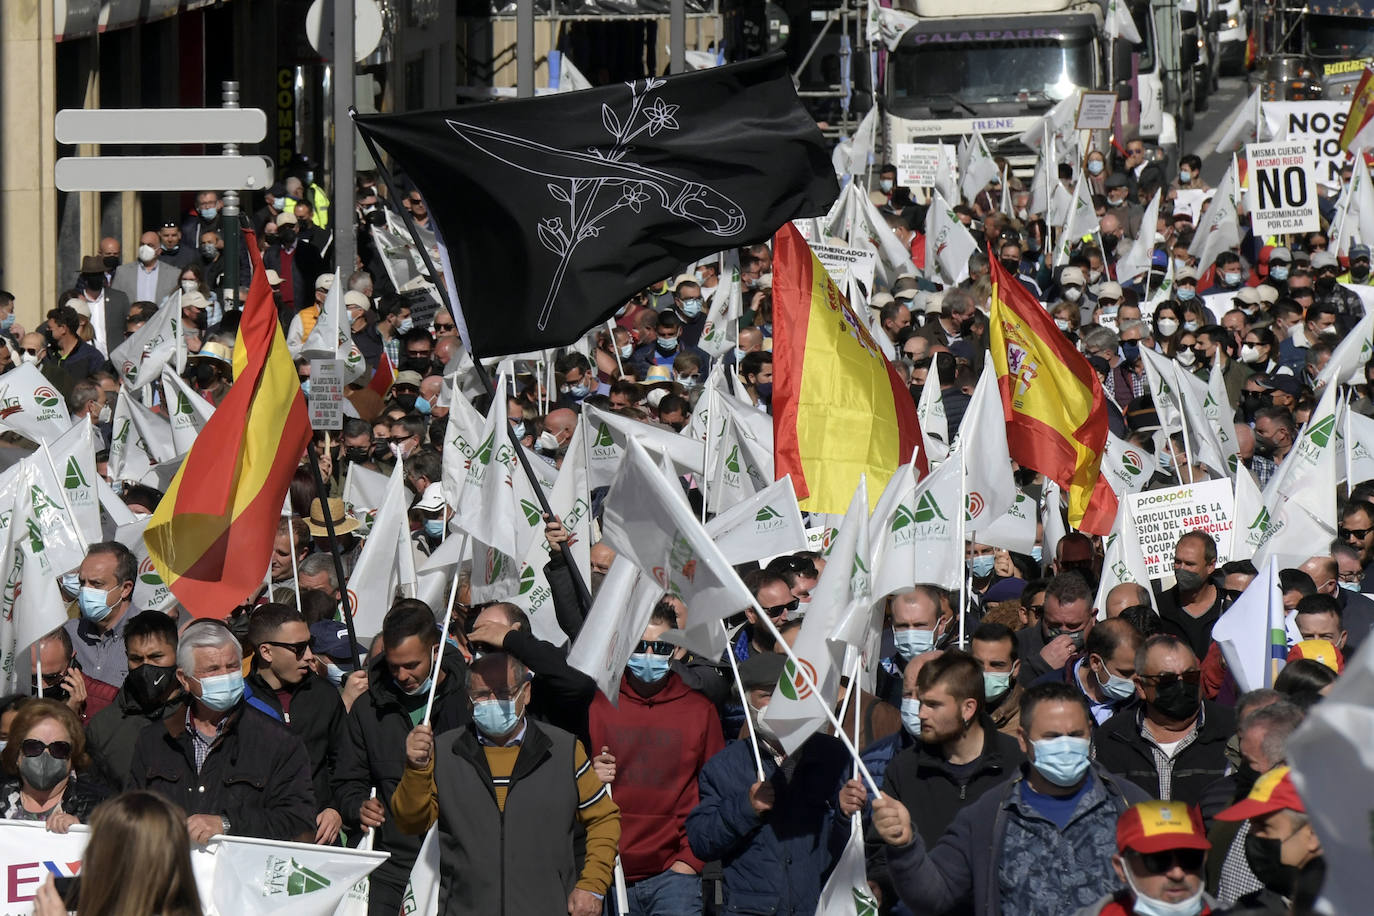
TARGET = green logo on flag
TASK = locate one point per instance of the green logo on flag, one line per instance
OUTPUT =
(289, 877)
(603, 437)
(532, 514)
(864, 904)
(1232, 463)
(484, 450)
(1321, 433)
(732, 460)
(1261, 521)
(526, 579)
(184, 403)
(75, 479)
(791, 684)
(927, 510)
(901, 518)
(767, 514)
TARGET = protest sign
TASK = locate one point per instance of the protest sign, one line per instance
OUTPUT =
(326, 394)
(1095, 110)
(918, 164)
(1318, 126)
(843, 263)
(1161, 516)
(1282, 187)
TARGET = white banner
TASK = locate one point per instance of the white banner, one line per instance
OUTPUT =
(1162, 516)
(1316, 124)
(1282, 186)
(236, 875)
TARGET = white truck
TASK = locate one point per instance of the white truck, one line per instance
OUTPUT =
(972, 64)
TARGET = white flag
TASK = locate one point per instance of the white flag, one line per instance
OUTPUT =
(930, 411)
(422, 893)
(70, 465)
(1199, 407)
(894, 258)
(915, 537)
(1137, 260)
(1014, 530)
(989, 487)
(150, 592)
(379, 570)
(1126, 466)
(140, 359)
(188, 411)
(1160, 376)
(948, 244)
(1254, 634)
(795, 712)
(767, 524)
(1122, 560)
(1219, 229)
(31, 406)
(129, 458)
(1347, 362)
(1360, 441)
(608, 433)
(1252, 518)
(463, 436)
(846, 891)
(1244, 126)
(1301, 496)
(363, 494)
(721, 331)
(1080, 223)
(617, 619)
(1119, 24)
(155, 430)
(269, 876)
(646, 519)
(980, 169)
(487, 506)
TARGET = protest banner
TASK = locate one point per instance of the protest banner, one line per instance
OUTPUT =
(918, 164)
(1161, 516)
(326, 394)
(1095, 110)
(1283, 189)
(842, 263)
(1318, 126)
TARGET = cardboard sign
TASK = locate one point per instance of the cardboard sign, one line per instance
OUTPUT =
(1095, 111)
(843, 263)
(1318, 126)
(1162, 516)
(918, 164)
(326, 394)
(1282, 188)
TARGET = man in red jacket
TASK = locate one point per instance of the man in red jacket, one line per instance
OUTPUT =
(652, 747)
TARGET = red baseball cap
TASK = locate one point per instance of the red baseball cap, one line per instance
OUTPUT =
(1320, 650)
(1158, 826)
(1273, 791)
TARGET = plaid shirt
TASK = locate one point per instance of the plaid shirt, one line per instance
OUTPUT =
(1263, 468)
(199, 743)
(1237, 879)
(1164, 763)
(393, 351)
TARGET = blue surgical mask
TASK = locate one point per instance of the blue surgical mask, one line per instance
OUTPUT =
(911, 643)
(1185, 176)
(627, 351)
(648, 667)
(996, 684)
(1231, 278)
(7, 322)
(519, 430)
(1190, 326)
(981, 567)
(334, 674)
(576, 392)
(1116, 688)
(690, 381)
(1279, 272)
(1095, 167)
(667, 343)
(495, 718)
(422, 405)
(691, 307)
(71, 583)
(305, 387)
(1351, 586)
(1185, 293)
(221, 692)
(911, 716)
(1144, 905)
(434, 527)
(885, 184)
(208, 212)
(405, 326)
(739, 355)
(1062, 760)
(1037, 554)
(94, 603)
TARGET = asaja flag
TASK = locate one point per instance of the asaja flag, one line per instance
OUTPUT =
(765, 525)
(267, 876)
(1056, 410)
(140, 358)
(31, 406)
(211, 536)
(846, 891)
(820, 347)
(1254, 633)
(385, 563)
(583, 198)
(616, 621)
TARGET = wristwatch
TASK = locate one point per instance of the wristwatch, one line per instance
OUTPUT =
(225, 821)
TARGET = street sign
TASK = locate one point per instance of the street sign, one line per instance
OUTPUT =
(161, 125)
(162, 173)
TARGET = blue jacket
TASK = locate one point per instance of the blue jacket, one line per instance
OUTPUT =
(777, 863)
(963, 867)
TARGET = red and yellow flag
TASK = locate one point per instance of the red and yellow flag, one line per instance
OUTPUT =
(839, 407)
(1357, 133)
(1056, 410)
(211, 536)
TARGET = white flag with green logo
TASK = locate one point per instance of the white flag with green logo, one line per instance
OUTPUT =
(1347, 361)
(187, 410)
(487, 503)
(607, 435)
(1080, 223)
(1252, 518)
(462, 437)
(140, 358)
(614, 625)
(155, 430)
(846, 891)
(1126, 466)
(1159, 375)
(948, 243)
(266, 876)
(386, 561)
(980, 169)
(39, 536)
(1122, 560)
(930, 410)
(129, 458)
(422, 892)
(1360, 442)
(31, 406)
(796, 712)
(363, 493)
(73, 468)
(721, 331)
(765, 525)
(1301, 496)
(150, 592)
(916, 538)
(989, 487)
(1199, 407)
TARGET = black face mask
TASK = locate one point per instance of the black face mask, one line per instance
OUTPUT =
(50, 691)
(1359, 270)
(1178, 700)
(380, 450)
(916, 392)
(111, 261)
(1265, 446)
(93, 281)
(406, 400)
(1244, 777)
(1011, 265)
(1264, 857)
(415, 364)
(149, 686)
(357, 453)
(1250, 402)
(1326, 284)
(286, 236)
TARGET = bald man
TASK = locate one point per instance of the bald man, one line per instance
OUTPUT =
(552, 443)
(1127, 594)
(1357, 611)
(1245, 442)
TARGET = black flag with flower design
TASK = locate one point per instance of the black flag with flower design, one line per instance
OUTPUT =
(554, 210)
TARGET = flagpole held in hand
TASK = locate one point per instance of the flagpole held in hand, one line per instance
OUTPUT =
(744, 698)
(443, 637)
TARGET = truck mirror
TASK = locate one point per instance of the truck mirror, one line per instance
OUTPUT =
(1187, 20)
(1124, 91)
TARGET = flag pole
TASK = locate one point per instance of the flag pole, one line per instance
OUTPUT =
(610, 329)
(963, 538)
(443, 637)
(584, 595)
(810, 682)
(744, 698)
(295, 571)
(1349, 445)
(323, 496)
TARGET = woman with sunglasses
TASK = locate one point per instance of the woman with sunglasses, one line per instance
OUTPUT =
(41, 762)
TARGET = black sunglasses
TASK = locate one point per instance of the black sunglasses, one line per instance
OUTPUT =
(32, 747)
(1361, 533)
(1157, 863)
(655, 646)
(801, 565)
(781, 609)
(1168, 678)
(298, 648)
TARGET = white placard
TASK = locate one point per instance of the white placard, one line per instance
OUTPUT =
(1282, 188)
(843, 263)
(1095, 111)
(326, 394)
(1316, 124)
(1162, 516)
(918, 164)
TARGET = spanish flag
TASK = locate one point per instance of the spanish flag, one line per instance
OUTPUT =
(1358, 132)
(211, 536)
(839, 408)
(1056, 411)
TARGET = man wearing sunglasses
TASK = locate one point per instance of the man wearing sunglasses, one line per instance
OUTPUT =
(1161, 850)
(283, 685)
(655, 743)
(1173, 745)
(1356, 531)
(775, 596)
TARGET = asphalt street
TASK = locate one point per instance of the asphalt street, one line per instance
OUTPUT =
(1211, 124)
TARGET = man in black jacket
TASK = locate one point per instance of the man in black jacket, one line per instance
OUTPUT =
(230, 768)
(284, 686)
(150, 693)
(1173, 744)
(373, 756)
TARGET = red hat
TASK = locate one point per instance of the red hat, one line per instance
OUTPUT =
(1273, 791)
(1320, 650)
(1158, 826)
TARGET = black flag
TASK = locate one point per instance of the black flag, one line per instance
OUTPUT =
(554, 210)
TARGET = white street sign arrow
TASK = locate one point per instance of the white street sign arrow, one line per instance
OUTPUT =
(162, 173)
(161, 125)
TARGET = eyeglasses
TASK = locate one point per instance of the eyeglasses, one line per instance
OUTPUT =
(800, 565)
(656, 646)
(1191, 676)
(779, 610)
(489, 694)
(1037, 609)
(1157, 863)
(1357, 533)
(33, 351)
(297, 648)
(32, 747)
(418, 354)
(445, 327)
(54, 677)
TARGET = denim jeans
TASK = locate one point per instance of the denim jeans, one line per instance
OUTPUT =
(665, 894)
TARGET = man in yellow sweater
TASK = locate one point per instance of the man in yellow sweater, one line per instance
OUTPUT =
(507, 793)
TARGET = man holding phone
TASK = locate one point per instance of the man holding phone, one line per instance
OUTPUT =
(1064, 626)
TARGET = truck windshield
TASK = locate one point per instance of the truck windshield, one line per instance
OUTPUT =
(1340, 37)
(974, 72)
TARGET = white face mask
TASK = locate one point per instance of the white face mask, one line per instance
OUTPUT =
(146, 253)
(1249, 353)
(1149, 906)
(1186, 358)
(1167, 327)
(104, 415)
(1073, 293)
(189, 286)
